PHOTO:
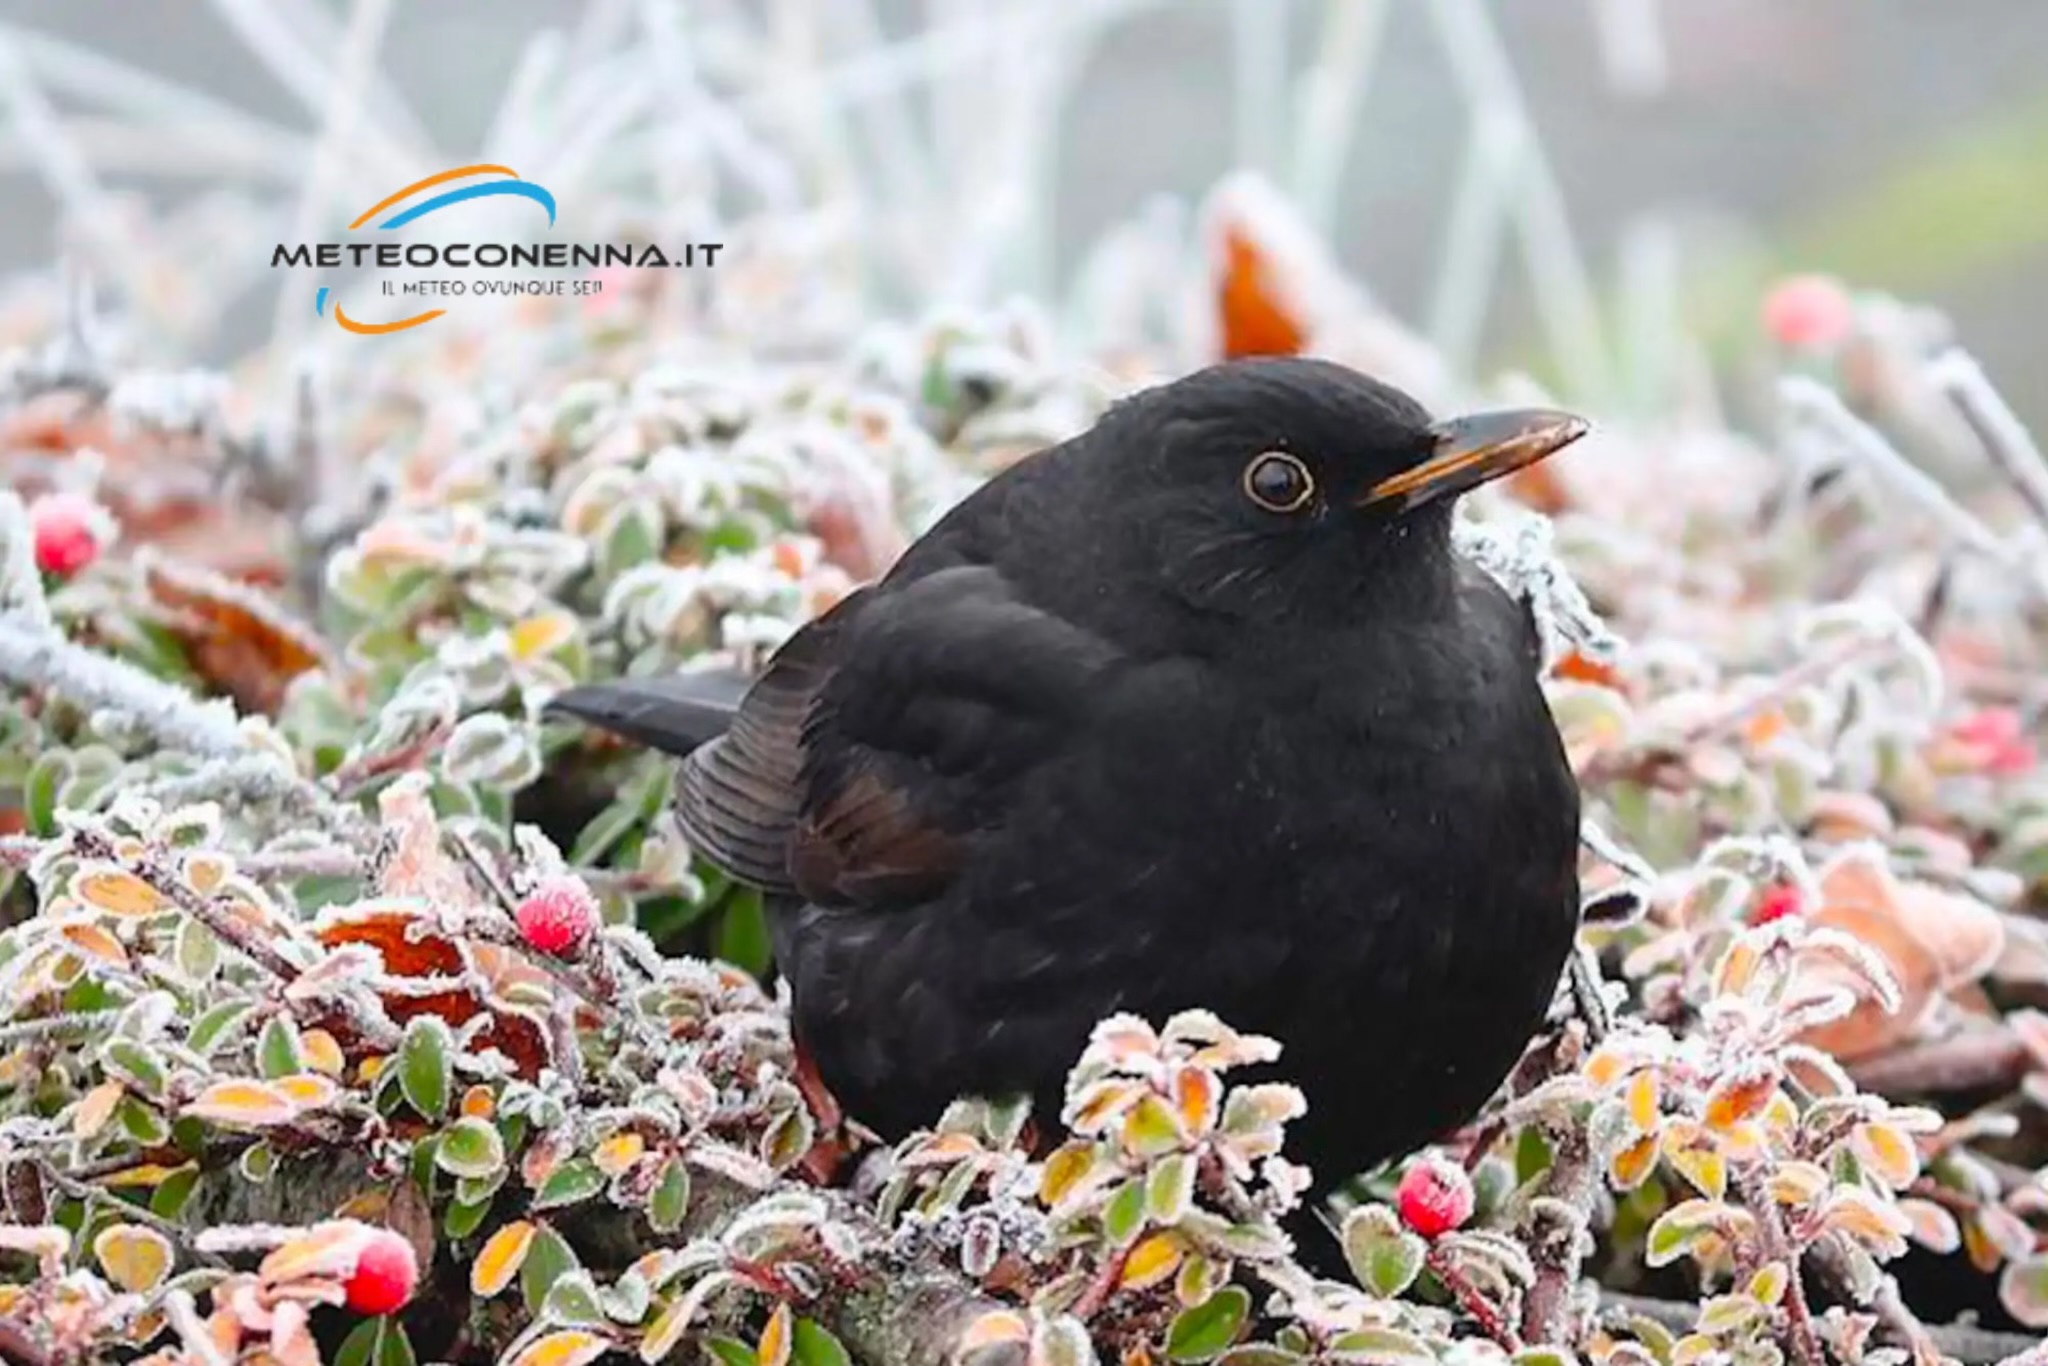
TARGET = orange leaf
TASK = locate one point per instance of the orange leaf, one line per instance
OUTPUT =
(1198, 1096)
(1063, 1170)
(618, 1152)
(326, 1251)
(1151, 1261)
(307, 1090)
(1254, 322)
(569, 1347)
(1642, 1101)
(135, 1258)
(1632, 1164)
(118, 892)
(1739, 1099)
(500, 1258)
(1888, 1151)
(244, 1104)
(994, 1327)
(479, 1103)
(147, 1175)
(95, 1108)
(97, 941)
(238, 640)
(775, 1338)
(323, 1053)
(1583, 668)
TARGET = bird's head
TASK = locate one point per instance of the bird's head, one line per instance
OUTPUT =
(1278, 488)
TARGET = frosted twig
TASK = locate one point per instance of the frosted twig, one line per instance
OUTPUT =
(228, 927)
(1557, 268)
(2006, 439)
(69, 175)
(1258, 71)
(251, 779)
(1331, 93)
(1823, 407)
(341, 119)
(39, 658)
(1471, 255)
(266, 29)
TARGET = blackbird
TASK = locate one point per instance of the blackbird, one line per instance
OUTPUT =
(1198, 708)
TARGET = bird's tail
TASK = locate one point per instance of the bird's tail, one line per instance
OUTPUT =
(674, 714)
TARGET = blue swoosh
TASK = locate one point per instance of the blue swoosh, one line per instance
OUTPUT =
(525, 189)
(320, 302)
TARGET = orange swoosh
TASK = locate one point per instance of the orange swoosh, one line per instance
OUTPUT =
(377, 329)
(457, 174)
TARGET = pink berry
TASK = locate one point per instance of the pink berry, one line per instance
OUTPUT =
(1776, 904)
(558, 916)
(68, 532)
(386, 1274)
(1809, 313)
(1434, 1197)
(1996, 741)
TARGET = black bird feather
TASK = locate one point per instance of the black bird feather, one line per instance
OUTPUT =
(1133, 729)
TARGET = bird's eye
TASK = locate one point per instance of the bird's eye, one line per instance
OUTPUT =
(1278, 482)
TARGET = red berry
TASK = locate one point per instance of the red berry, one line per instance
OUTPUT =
(1995, 741)
(68, 531)
(558, 916)
(1434, 1197)
(1809, 313)
(1776, 904)
(385, 1275)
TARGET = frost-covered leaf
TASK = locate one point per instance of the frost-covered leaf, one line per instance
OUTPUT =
(1202, 1332)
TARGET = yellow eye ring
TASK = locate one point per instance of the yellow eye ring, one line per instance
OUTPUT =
(1278, 482)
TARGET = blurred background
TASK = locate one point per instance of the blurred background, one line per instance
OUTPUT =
(1662, 155)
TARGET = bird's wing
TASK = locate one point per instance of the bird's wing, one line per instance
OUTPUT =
(738, 798)
(872, 755)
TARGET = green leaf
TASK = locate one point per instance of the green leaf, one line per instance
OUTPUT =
(278, 1053)
(137, 1065)
(39, 792)
(813, 1345)
(573, 1182)
(257, 1164)
(1170, 1188)
(143, 1123)
(426, 1065)
(606, 829)
(1260, 1354)
(741, 935)
(1381, 1347)
(394, 1348)
(547, 1261)
(1124, 1216)
(470, 1147)
(1679, 1229)
(1203, 1331)
(359, 1348)
(632, 535)
(573, 1299)
(167, 1201)
(671, 1198)
(1532, 1155)
(212, 1028)
(463, 1220)
(197, 951)
(1385, 1257)
(730, 1351)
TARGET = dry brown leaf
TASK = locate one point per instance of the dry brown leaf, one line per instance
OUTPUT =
(1934, 941)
